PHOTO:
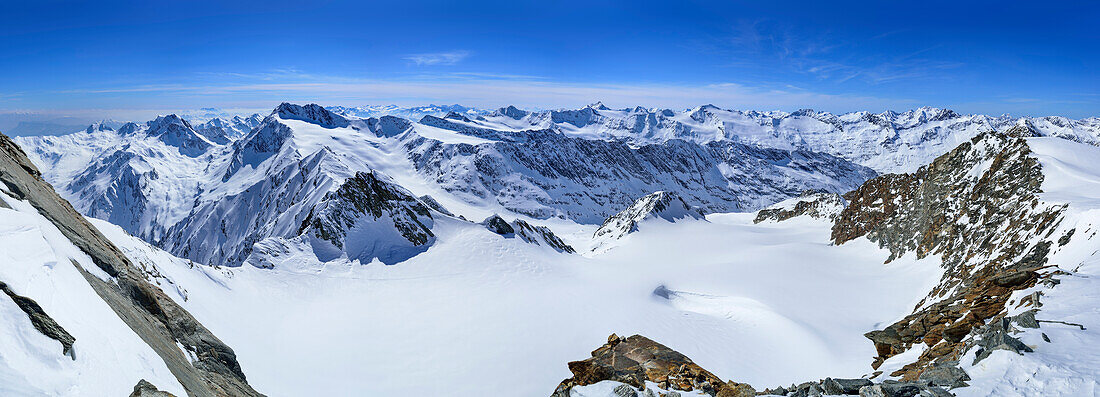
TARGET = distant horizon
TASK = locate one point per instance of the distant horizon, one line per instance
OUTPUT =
(119, 59)
(73, 122)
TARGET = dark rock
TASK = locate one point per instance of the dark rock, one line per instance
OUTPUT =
(1015, 278)
(42, 321)
(811, 203)
(146, 389)
(1065, 237)
(998, 339)
(843, 386)
(498, 225)
(636, 359)
(1026, 319)
(534, 234)
(435, 205)
(625, 391)
(734, 389)
(155, 317)
(960, 206)
(900, 389)
(947, 375)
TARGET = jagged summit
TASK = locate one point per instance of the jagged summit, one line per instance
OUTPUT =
(663, 205)
(513, 112)
(99, 126)
(312, 113)
(175, 131)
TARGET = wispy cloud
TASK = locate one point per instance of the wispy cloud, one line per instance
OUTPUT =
(438, 58)
(484, 90)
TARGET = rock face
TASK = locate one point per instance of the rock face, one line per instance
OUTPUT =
(369, 217)
(543, 174)
(658, 205)
(888, 142)
(177, 132)
(538, 235)
(158, 320)
(635, 360)
(977, 207)
(41, 321)
(313, 113)
(146, 389)
(820, 205)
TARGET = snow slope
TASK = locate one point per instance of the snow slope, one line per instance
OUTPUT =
(210, 202)
(1066, 365)
(751, 301)
(38, 262)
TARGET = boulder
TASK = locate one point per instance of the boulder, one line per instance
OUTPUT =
(844, 386)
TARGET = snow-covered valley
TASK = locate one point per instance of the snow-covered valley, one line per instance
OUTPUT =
(339, 255)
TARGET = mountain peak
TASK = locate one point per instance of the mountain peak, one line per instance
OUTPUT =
(666, 205)
(99, 126)
(513, 112)
(312, 113)
(599, 106)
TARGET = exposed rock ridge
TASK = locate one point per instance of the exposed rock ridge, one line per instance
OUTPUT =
(41, 321)
(811, 203)
(665, 205)
(977, 207)
(638, 363)
(158, 320)
(527, 232)
(371, 197)
(635, 360)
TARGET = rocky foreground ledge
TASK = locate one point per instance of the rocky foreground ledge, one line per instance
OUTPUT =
(644, 368)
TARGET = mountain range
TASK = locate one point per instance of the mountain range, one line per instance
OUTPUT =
(447, 250)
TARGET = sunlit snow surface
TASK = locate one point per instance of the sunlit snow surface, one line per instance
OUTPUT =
(767, 305)
(36, 262)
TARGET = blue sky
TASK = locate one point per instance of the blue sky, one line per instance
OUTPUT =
(132, 59)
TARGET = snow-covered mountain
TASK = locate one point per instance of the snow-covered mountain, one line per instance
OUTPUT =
(213, 202)
(383, 243)
(81, 318)
(412, 113)
(658, 206)
(887, 141)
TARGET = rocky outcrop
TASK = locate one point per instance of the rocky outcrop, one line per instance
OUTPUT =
(174, 131)
(636, 359)
(40, 320)
(544, 174)
(156, 318)
(658, 205)
(815, 204)
(146, 389)
(312, 113)
(527, 232)
(977, 207)
(369, 217)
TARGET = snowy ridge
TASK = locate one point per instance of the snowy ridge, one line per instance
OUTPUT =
(666, 206)
(886, 142)
(211, 202)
